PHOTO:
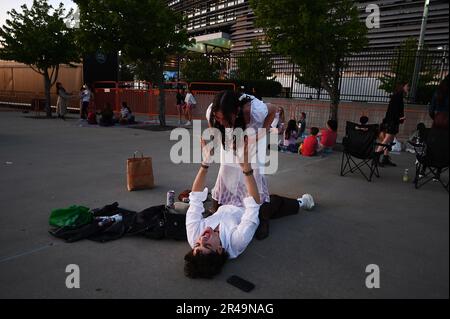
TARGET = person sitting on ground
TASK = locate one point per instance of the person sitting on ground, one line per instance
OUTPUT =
(227, 233)
(310, 144)
(107, 116)
(290, 137)
(126, 116)
(328, 137)
(92, 118)
(302, 124)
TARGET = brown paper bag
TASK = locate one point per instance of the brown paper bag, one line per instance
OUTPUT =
(139, 173)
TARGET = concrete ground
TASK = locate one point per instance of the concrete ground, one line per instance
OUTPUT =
(318, 254)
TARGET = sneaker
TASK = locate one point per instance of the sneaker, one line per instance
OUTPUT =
(386, 161)
(188, 123)
(308, 201)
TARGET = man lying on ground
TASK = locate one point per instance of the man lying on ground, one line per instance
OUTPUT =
(227, 233)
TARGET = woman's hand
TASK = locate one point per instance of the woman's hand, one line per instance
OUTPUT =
(207, 151)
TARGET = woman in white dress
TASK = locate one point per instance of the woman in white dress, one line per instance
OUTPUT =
(234, 110)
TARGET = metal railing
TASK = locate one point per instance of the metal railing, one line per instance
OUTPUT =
(366, 77)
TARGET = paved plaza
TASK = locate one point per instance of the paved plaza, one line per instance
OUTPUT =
(49, 163)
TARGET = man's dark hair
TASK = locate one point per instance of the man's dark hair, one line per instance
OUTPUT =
(314, 130)
(333, 125)
(363, 120)
(204, 265)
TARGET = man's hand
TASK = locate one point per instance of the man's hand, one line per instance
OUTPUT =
(244, 161)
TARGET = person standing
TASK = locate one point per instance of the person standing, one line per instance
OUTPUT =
(231, 110)
(395, 115)
(180, 104)
(62, 102)
(190, 104)
(85, 97)
(439, 105)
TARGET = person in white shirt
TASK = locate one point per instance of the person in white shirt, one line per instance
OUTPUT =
(85, 97)
(190, 104)
(227, 233)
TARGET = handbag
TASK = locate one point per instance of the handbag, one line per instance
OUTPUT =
(139, 173)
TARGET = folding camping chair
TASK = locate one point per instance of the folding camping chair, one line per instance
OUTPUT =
(432, 157)
(360, 144)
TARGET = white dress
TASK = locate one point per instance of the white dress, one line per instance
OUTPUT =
(230, 187)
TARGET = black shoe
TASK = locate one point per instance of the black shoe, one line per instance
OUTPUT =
(387, 162)
(263, 230)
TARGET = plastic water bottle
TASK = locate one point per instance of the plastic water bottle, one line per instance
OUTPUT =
(405, 176)
(108, 220)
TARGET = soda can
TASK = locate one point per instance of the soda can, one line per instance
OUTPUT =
(170, 199)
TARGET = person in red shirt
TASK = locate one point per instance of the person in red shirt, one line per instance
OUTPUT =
(310, 144)
(328, 137)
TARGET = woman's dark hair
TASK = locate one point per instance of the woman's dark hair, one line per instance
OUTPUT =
(292, 126)
(333, 125)
(204, 265)
(304, 115)
(398, 90)
(125, 105)
(229, 103)
(58, 87)
(314, 130)
(442, 91)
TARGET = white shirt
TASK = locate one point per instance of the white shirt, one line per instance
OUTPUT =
(124, 112)
(237, 225)
(86, 95)
(190, 99)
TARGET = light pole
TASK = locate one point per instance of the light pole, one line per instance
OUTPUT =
(415, 78)
(444, 53)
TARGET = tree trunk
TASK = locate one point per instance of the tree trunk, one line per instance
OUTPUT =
(48, 102)
(334, 109)
(162, 98)
(335, 95)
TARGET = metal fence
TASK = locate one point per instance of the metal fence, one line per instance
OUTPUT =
(361, 78)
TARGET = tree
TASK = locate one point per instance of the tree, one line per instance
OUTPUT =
(39, 37)
(199, 67)
(317, 35)
(254, 64)
(402, 70)
(146, 32)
